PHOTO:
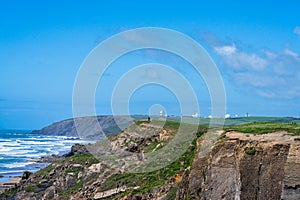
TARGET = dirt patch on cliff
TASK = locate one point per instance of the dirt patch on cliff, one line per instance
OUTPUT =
(279, 136)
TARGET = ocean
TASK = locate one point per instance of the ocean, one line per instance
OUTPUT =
(17, 148)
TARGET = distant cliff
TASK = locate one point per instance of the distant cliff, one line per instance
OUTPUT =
(259, 161)
(109, 125)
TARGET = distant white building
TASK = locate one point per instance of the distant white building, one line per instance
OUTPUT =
(195, 115)
(227, 116)
(162, 113)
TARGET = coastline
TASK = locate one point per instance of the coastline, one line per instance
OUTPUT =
(11, 182)
(23, 151)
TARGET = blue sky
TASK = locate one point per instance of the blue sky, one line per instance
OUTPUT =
(255, 45)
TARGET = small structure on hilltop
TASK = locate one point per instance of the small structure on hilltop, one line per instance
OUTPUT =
(195, 115)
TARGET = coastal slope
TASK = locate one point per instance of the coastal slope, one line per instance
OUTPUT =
(255, 161)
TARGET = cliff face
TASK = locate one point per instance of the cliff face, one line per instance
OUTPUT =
(237, 166)
(254, 167)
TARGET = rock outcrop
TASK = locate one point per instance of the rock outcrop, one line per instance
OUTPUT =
(224, 165)
(246, 167)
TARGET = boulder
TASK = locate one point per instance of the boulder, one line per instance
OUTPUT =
(26, 175)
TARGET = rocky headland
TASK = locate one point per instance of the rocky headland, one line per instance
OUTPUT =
(89, 126)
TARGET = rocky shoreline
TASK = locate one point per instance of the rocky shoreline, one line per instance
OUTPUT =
(75, 149)
(13, 181)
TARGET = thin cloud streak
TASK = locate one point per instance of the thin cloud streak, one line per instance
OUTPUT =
(297, 30)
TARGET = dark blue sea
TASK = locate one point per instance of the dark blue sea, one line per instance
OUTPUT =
(18, 148)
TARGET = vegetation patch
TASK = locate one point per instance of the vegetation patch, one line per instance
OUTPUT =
(222, 138)
(149, 180)
(152, 146)
(266, 127)
(10, 192)
(44, 172)
(73, 170)
(172, 192)
(31, 188)
(250, 150)
(82, 159)
(72, 190)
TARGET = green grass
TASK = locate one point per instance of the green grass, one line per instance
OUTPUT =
(152, 146)
(241, 120)
(31, 188)
(149, 180)
(250, 151)
(165, 124)
(44, 172)
(266, 127)
(172, 192)
(82, 159)
(73, 170)
(10, 192)
(76, 159)
(222, 138)
(72, 190)
(247, 120)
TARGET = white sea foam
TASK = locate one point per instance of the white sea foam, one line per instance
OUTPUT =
(17, 153)
(31, 142)
(16, 150)
(11, 172)
(5, 140)
(17, 164)
(8, 150)
(10, 143)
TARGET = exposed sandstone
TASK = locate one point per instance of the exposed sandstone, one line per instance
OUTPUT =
(230, 172)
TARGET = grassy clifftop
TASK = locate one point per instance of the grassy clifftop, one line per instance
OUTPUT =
(266, 127)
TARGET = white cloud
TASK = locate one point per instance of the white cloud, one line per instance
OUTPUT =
(285, 63)
(267, 73)
(263, 72)
(297, 30)
(269, 53)
(250, 61)
(267, 94)
(290, 52)
(258, 80)
(240, 60)
(225, 50)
